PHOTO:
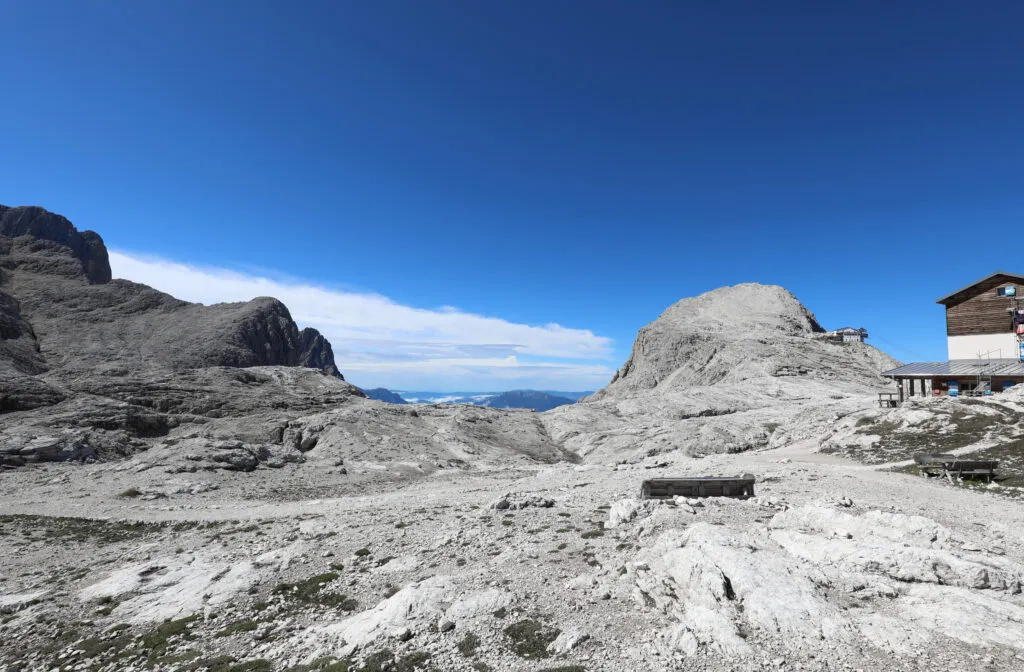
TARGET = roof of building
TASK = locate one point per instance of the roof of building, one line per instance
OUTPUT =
(851, 330)
(959, 367)
(948, 298)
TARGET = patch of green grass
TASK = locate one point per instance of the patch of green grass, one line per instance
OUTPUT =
(130, 492)
(1009, 474)
(258, 665)
(82, 530)
(307, 588)
(564, 668)
(530, 639)
(467, 645)
(175, 660)
(417, 660)
(957, 424)
(593, 534)
(500, 612)
(247, 625)
(159, 639)
(221, 663)
(362, 553)
(324, 664)
(311, 591)
(79, 529)
(96, 647)
(384, 660)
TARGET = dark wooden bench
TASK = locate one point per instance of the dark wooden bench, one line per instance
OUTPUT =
(972, 469)
(933, 465)
(951, 465)
(698, 486)
(888, 399)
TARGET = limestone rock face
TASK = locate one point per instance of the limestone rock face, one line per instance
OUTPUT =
(315, 352)
(105, 369)
(20, 362)
(50, 232)
(58, 291)
(738, 333)
(109, 364)
(734, 369)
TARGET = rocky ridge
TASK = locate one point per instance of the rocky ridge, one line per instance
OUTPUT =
(98, 368)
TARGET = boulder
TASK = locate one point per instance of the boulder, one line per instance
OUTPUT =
(624, 511)
(519, 500)
(567, 640)
(412, 607)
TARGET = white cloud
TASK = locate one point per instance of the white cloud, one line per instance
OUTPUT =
(380, 342)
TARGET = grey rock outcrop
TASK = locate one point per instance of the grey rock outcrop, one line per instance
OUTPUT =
(105, 369)
(46, 228)
(102, 365)
(738, 333)
(20, 362)
(734, 369)
(315, 352)
(514, 501)
(58, 291)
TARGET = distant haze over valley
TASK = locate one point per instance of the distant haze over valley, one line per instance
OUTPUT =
(538, 400)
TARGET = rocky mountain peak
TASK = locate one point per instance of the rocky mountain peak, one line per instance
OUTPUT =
(315, 352)
(744, 308)
(66, 325)
(43, 225)
(739, 333)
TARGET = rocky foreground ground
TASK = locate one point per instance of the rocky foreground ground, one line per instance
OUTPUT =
(833, 566)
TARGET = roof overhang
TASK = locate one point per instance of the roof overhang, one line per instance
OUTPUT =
(1013, 368)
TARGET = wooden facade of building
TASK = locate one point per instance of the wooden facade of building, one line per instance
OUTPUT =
(983, 319)
(979, 309)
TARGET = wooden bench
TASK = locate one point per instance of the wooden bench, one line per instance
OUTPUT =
(698, 486)
(951, 465)
(972, 469)
(932, 465)
(888, 399)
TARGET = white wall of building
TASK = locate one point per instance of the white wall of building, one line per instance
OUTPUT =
(994, 346)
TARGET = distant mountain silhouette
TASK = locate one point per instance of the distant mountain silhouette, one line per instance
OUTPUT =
(538, 401)
(384, 394)
(533, 399)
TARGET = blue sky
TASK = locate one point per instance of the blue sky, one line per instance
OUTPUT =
(437, 183)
